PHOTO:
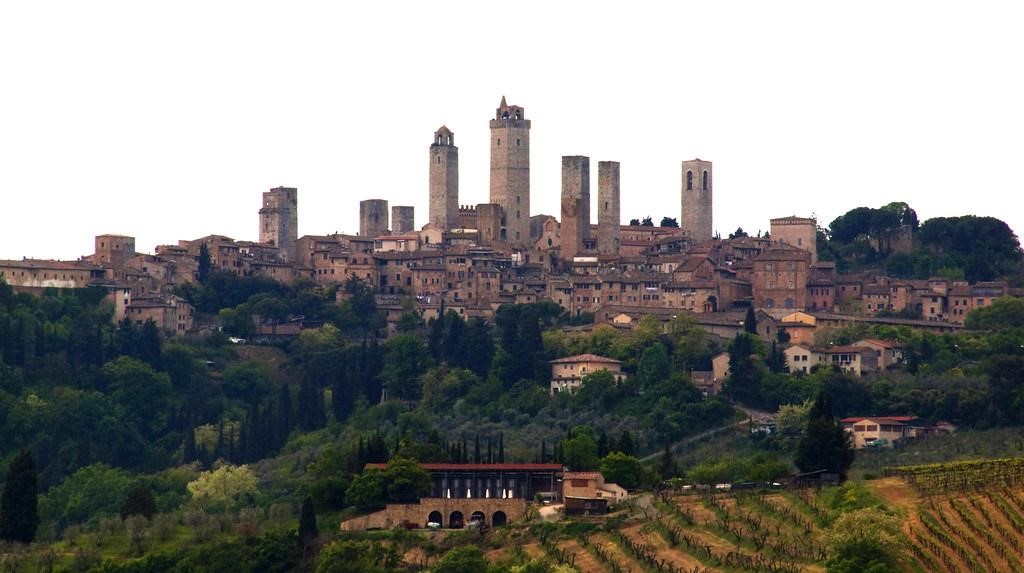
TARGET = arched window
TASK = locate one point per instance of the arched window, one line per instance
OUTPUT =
(689, 180)
(704, 182)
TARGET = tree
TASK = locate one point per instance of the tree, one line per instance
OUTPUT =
(825, 445)
(19, 512)
(750, 322)
(140, 501)
(739, 232)
(622, 469)
(407, 358)
(647, 222)
(358, 557)
(864, 541)
(223, 487)
(579, 451)
(669, 222)
(205, 263)
(307, 522)
(634, 222)
(462, 560)
(745, 371)
(406, 481)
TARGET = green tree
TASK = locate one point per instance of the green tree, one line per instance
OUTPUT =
(865, 541)
(624, 470)
(406, 360)
(579, 451)
(825, 445)
(140, 501)
(349, 556)
(647, 222)
(462, 560)
(406, 481)
(750, 322)
(205, 263)
(224, 487)
(19, 513)
(654, 365)
(367, 491)
(668, 222)
(746, 373)
(308, 531)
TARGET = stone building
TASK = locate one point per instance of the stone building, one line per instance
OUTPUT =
(608, 216)
(510, 170)
(279, 220)
(403, 219)
(444, 181)
(779, 278)
(373, 218)
(575, 204)
(799, 232)
(697, 200)
(567, 373)
(113, 250)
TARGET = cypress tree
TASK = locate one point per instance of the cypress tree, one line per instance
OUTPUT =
(140, 501)
(308, 531)
(750, 322)
(19, 511)
(476, 450)
(824, 445)
(188, 453)
(501, 448)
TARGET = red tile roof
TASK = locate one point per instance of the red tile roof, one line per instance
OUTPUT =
(586, 358)
(443, 467)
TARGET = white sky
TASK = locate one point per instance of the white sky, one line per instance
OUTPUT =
(167, 121)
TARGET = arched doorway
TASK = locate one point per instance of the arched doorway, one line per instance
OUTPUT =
(499, 518)
(435, 517)
(455, 520)
(479, 517)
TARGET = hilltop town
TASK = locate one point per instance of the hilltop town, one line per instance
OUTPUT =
(474, 258)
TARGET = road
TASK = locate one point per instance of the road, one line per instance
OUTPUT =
(756, 414)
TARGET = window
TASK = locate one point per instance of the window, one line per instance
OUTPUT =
(517, 142)
(704, 181)
(499, 142)
(689, 180)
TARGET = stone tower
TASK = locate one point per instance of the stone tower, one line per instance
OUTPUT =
(279, 220)
(697, 188)
(403, 219)
(608, 218)
(800, 232)
(444, 180)
(575, 204)
(373, 217)
(510, 170)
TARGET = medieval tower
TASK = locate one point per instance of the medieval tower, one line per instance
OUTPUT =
(608, 219)
(279, 220)
(444, 180)
(373, 218)
(575, 222)
(510, 170)
(403, 219)
(697, 187)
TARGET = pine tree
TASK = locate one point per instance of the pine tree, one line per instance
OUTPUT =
(308, 531)
(825, 445)
(667, 465)
(19, 513)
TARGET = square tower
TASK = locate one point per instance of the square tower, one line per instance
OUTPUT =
(799, 232)
(113, 250)
(575, 204)
(403, 219)
(373, 218)
(696, 201)
(510, 170)
(444, 180)
(608, 217)
(279, 220)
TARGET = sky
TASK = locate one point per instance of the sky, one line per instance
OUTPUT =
(167, 120)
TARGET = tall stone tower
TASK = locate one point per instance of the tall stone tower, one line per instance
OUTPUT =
(403, 219)
(444, 180)
(510, 170)
(697, 187)
(279, 220)
(373, 217)
(608, 218)
(575, 204)
(800, 232)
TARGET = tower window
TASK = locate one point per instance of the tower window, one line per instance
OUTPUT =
(704, 182)
(439, 159)
(689, 180)
(517, 142)
(499, 142)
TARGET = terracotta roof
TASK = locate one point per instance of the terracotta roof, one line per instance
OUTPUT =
(882, 343)
(897, 419)
(581, 475)
(585, 358)
(443, 467)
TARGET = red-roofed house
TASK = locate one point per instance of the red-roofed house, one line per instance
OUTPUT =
(567, 373)
(879, 430)
(889, 353)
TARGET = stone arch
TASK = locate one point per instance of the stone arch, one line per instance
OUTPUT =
(479, 517)
(499, 519)
(704, 181)
(689, 180)
(456, 520)
(435, 517)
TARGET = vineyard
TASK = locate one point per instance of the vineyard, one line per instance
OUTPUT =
(981, 530)
(963, 476)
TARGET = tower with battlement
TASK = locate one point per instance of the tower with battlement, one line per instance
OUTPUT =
(279, 220)
(373, 217)
(696, 200)
(575, 223)
(510, 170)
(608, 217)
(444, 180)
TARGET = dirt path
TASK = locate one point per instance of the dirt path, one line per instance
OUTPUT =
(585, 561)
(658, 543)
